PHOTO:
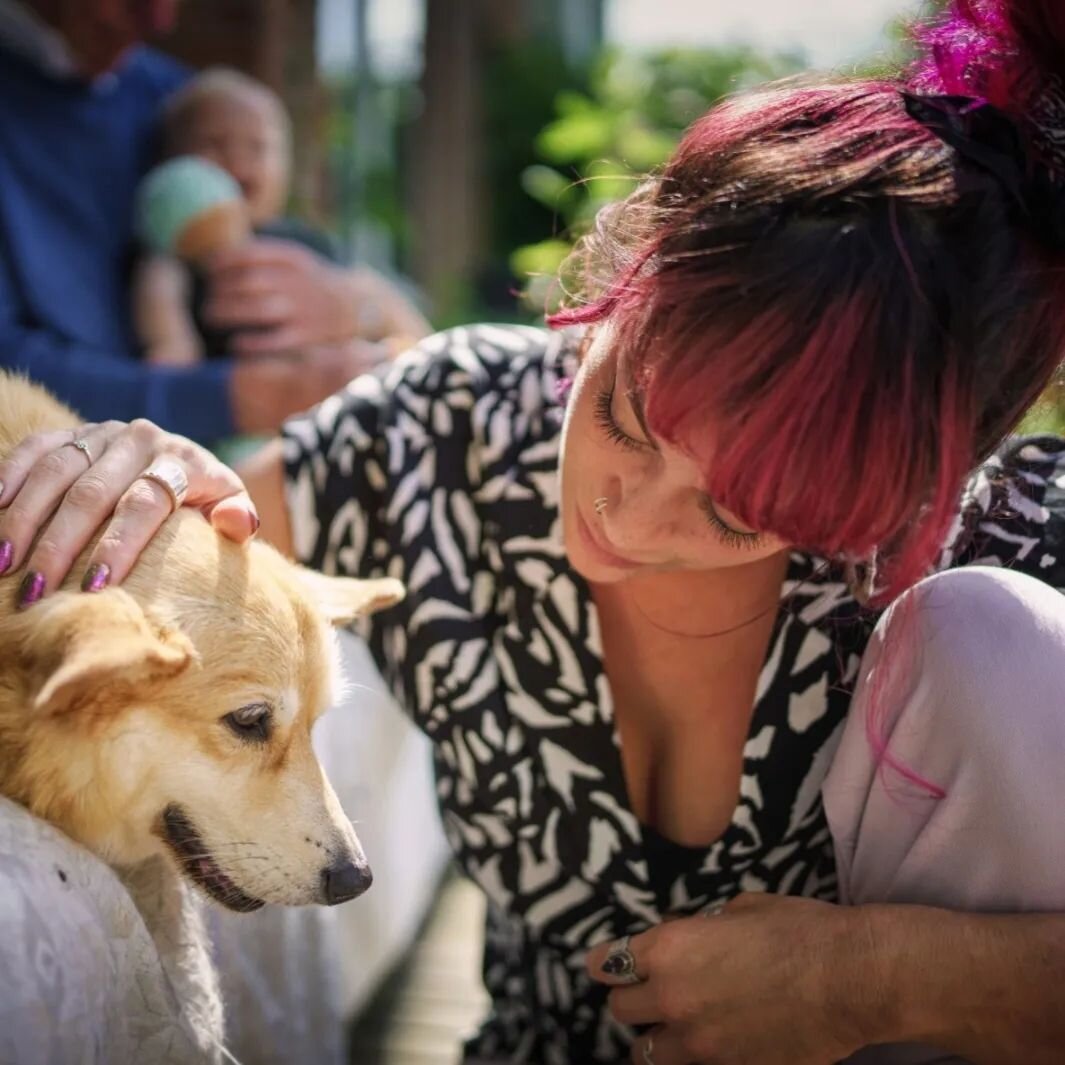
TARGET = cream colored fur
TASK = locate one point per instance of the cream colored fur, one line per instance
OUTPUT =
(113, 704)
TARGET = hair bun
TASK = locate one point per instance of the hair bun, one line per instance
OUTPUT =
(1010, 53)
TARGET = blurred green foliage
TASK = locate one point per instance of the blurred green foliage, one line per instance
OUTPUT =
(599, 142)
(562, 140)
(1047, 414)
(382, 198)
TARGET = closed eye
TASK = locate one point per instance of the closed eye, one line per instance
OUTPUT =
(612, 427)
(730, 536)
(251, 723)
(604, 416)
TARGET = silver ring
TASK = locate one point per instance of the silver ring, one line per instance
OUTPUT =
(714, 909)
(648, 1049)
(600, 504)
(82, 447)
(170, 476)
(621, 963)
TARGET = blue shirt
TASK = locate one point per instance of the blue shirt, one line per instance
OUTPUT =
(71, 154)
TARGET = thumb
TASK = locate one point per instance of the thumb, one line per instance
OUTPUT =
(234, 518)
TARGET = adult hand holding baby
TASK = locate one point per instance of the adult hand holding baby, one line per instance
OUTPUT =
(281, 298)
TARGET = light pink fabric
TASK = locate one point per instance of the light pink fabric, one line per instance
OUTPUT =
(981, 713)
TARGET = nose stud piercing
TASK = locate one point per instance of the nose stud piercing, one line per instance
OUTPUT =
(600, 504)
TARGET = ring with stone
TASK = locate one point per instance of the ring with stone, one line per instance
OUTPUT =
(81, 446)
(621, 963)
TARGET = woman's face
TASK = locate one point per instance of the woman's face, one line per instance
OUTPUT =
(656, 517)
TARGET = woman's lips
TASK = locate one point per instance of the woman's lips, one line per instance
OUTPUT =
(600, 550)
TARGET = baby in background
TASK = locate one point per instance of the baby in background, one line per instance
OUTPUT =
(240, 125)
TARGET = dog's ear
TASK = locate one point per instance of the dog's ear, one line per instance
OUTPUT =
(89, 649)
(343, 599)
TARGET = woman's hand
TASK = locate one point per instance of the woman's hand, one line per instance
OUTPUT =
(65, 495)
(771, 980)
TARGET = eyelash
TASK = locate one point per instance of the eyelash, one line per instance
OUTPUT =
(729, 536)
(604, 416)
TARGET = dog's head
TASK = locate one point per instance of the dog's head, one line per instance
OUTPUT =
(174, 715)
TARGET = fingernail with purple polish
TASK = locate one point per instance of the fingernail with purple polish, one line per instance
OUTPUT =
(96, 578)
(6, 551)
(31, 589)
(255, 522)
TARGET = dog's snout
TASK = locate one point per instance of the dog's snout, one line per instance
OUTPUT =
(345, 880)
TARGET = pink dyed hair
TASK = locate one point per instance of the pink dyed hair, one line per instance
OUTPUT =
(828, 309)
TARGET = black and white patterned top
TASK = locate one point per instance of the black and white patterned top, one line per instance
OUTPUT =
(442, 471)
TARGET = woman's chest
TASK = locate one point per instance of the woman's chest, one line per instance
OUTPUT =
(534, 788)
(682, 717)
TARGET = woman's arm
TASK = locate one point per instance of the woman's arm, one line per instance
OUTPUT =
(989, 987)
(781, 980)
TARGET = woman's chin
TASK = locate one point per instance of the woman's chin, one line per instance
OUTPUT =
(593, 570)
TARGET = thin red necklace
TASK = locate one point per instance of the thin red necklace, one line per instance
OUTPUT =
(704, 635)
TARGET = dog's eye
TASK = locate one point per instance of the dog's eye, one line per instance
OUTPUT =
(251, 722)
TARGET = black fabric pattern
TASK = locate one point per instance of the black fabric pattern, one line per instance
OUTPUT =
(995, 142)
(442, 471)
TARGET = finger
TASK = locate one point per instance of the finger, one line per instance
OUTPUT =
(280, 340)
(263, 251)
(620, 963)
(36, 493)
(249, 281)
(15, 468)
(235, 517)
(250, 312)
(145, 505)
(661, 1046)
(638, 1004)
(87, 501)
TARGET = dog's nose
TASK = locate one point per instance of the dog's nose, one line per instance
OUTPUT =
(345, 880)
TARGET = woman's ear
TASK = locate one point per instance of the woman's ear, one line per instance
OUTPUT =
(90, 650)
(343, 599)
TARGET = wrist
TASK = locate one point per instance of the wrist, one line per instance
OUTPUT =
(381, 310)
(919, 971)
(862, 999)
(256, 387)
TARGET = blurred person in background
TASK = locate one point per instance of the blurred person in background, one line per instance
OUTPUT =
(80, 99)
(240, 125)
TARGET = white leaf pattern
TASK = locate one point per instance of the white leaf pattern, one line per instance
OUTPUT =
(442, 471)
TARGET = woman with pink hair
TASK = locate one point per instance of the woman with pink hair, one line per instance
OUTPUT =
(733, 611)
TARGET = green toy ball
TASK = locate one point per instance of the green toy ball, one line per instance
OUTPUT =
(177, 192)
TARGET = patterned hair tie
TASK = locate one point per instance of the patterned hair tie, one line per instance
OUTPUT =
(1047, 115)
(1028, 162)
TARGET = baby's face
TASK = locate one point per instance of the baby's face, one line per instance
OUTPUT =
(243, 134)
